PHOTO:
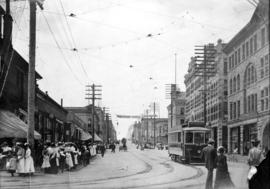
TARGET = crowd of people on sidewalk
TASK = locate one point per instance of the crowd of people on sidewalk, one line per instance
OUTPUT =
(50, 157)
(258, 161)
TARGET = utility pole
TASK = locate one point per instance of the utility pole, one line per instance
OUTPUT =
(93, 95)
(154, 125)
(175, 68)
(31, 74)
(205, 67)
(146, 126)
(171, 94)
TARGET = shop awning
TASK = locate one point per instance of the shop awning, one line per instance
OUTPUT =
(85, 135)
(97, 138)
(12, 127)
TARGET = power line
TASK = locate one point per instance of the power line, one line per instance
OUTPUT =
(74, 43)
(65, 60)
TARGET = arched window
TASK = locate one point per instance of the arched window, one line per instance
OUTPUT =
(234, 84)
(238, 82)
(230, 86)
(250, 75)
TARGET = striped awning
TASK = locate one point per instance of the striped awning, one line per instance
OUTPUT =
(12, 127)
(85, 135)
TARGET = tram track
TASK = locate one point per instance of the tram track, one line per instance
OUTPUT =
(95, 182)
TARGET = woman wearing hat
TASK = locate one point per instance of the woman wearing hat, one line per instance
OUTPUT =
(29, 163)
(20, 158)
(223, 179)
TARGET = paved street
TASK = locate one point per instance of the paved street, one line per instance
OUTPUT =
(132, 169)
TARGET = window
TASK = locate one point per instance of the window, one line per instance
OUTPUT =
(238, 82)
(248, 103)
(230, 62)
(262, 93)
(255, 102)
(179, 137)
(234, 110)
(266, 64)
(266, 104)
(230, 86)
(189, 137)
(238, 108)
(252, 103)
(251, 45)
(239, 56)
(263, 36)
(247, 49)
(262, 105)
(243, 52)
(234, 84)
(266, 91)
(262, 68)
(255, 43)
(199, 138)
(231, 110)
(235, 58)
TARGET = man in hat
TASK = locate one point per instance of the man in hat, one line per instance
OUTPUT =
(209, 153)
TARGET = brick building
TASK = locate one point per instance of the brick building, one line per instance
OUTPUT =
(216, 96)
(248, 82)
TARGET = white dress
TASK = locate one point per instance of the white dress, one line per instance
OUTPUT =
(20, 164)
(29, 163)
(46, 161)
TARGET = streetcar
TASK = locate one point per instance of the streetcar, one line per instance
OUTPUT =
(186, 144)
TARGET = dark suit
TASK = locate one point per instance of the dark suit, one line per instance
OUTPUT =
(209, 154)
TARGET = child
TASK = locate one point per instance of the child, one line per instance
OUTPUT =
(12, 164)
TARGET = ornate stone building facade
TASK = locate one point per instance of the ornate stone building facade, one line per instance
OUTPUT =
(248, 83)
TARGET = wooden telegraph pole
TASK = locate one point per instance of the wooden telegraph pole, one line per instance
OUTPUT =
(31, 74)
(91, 94)
(154, 124)
(205, 67)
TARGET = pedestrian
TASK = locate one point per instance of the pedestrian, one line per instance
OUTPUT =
(20, 159)
(29, 163)
(53, 159)
(254, 159)
(223, 179)
(209, 154)
(102, 149)
(261, 178)
(46, 160)
(12, 164)
(62, 159)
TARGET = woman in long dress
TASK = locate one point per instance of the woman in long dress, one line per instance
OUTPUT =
(223, 179)
(46, 160)
(20, 159)
(29, 163)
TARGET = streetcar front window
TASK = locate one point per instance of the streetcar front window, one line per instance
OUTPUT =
(207, 136)
(199, 138)
(189, 137)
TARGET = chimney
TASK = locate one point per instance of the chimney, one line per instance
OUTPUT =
(46, 92)
(61, 102)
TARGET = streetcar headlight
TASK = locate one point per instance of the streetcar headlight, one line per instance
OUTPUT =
(199, 151)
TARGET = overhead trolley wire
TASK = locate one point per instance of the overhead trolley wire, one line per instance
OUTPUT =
(56, 42)
(74, 43)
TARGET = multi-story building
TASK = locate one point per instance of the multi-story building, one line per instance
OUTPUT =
(216, 96)
(104, 128)
(149, 126)
(248, 82)
(176, 116)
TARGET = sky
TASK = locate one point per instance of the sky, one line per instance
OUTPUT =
(130, 47)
